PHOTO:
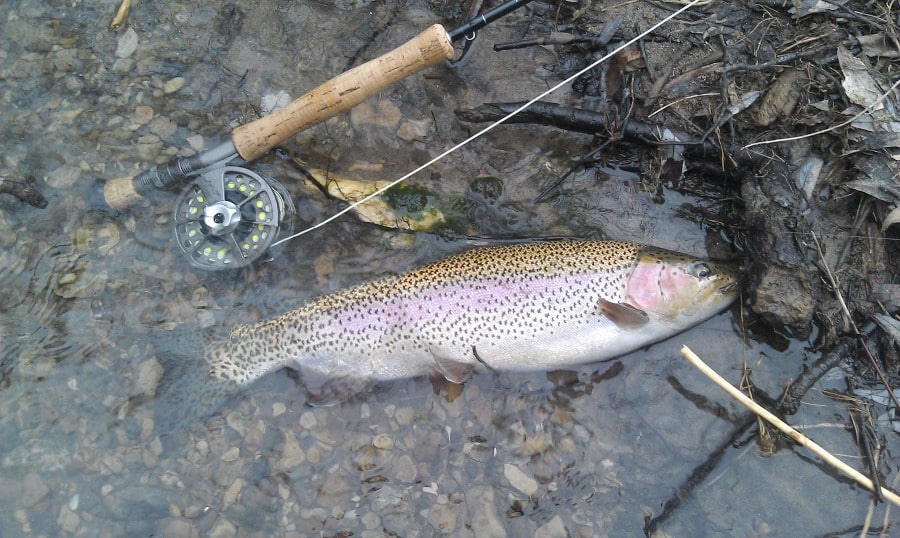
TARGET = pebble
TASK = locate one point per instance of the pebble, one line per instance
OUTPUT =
(85, 285)
(404, 415)
(411, 130)
(334, 491)
(122, 66)
(128, 43)
(308, 420)
(278, 409)
(223, 529)
(68, 520)
(552, 529)
(273, 101)
(383, 441)
(147, 378)
(232, 454)
(381, 114)
(206, 319)
(171, 479)
(519, 480)
(163, 127)
(291, 454)
(231, 494)
(404, 469)
(33, 490)
(173, 85)
(314, 454)
(113, 462)
(196, 142)
(255, 434)
(484, 515)
(142, 114)
(63, 177)
(177, 528)
(200, 297)
(442, 517)
(371, 520)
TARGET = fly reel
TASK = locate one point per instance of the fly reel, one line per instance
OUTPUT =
(229, 216)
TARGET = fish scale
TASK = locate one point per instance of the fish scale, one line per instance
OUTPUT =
(528, 306)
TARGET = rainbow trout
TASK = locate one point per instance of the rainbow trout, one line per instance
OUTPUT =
(530, 306)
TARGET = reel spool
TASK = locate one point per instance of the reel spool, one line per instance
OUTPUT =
(229, 216)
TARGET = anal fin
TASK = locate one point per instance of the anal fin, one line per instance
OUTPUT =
(453, 370)
(623, 315)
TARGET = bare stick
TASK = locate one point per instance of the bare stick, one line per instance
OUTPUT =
(798, 437)
(121, 13)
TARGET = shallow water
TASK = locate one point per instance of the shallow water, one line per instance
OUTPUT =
(591, 451)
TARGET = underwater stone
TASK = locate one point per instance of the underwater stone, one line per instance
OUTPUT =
(128, 43)
(519, 480)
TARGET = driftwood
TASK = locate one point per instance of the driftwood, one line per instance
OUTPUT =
(23, 191)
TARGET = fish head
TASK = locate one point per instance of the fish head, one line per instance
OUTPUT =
(680, 290)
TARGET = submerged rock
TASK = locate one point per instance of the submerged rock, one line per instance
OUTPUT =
(783, 296)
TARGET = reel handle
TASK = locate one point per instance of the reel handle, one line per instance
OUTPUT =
(343, 92)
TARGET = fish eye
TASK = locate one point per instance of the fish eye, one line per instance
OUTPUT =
(701, 270)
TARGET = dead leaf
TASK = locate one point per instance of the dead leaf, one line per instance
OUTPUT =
(808, 174)
(893, 217)
(858, 83)
(875, 45)
(803, 8)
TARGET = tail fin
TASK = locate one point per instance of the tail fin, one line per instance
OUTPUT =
(187, 393)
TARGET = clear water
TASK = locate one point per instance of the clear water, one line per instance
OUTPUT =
(588, 452)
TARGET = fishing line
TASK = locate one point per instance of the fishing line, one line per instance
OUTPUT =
(492, 126)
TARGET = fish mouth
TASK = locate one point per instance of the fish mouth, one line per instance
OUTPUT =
(729, 288)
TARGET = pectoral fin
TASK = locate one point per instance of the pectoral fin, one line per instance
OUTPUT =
(623, 315)
(453, 370)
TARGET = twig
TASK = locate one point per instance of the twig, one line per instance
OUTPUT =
(121, 13)
(778, 60)
(798, 437)
(698, 475)
(812, 374)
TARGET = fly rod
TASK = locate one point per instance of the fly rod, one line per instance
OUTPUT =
(250, 141)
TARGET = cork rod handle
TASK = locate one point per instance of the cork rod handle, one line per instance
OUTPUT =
(343, 92)
(120, 193)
